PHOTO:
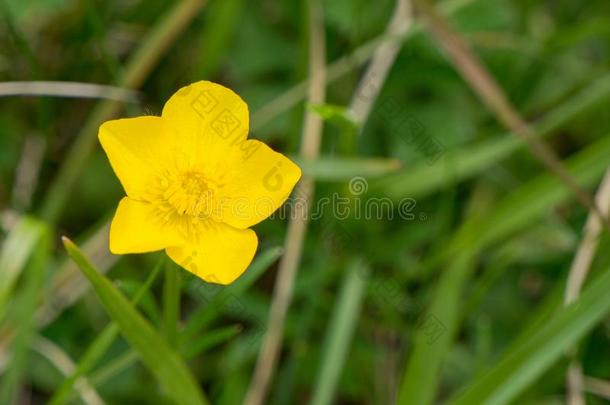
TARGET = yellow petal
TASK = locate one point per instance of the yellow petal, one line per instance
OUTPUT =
(219, 255)
(137, 150)
(209, 121)
(138, 228)
(258, 184)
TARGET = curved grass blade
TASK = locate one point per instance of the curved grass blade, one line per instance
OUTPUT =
(342, 326)
(523, 365)
(211, 339)
(171, 303)
(163, 362)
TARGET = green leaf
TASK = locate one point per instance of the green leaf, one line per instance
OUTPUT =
(522, 366)
(334, 113)
(340, 332)
(161, 360)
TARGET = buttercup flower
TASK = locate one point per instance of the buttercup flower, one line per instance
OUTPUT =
(195, 184)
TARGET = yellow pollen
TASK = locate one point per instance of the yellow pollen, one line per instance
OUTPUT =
(190, 194)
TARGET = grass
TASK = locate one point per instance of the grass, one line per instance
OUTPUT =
(452, 295)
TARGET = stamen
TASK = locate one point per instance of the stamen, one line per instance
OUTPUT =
(190, 194)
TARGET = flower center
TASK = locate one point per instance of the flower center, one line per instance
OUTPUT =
(190, 194)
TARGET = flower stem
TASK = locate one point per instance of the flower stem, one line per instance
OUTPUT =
(171, 304)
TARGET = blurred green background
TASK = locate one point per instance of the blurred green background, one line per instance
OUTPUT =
(460, 302)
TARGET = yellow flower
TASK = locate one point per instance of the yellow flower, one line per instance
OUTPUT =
(194, 182)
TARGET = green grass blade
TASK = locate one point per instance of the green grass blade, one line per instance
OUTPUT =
(171, 303)
(95, 351)
(434, 336)
(340, 169)
(217, 34)
(114, 367)
(64, 365)
(515, 212)
(161, 360)
(341, 330)
(101, 344)
(24, 309)
(16, 250)
(534, 199)
(522, 366)
(211, 339)
(129, 357)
